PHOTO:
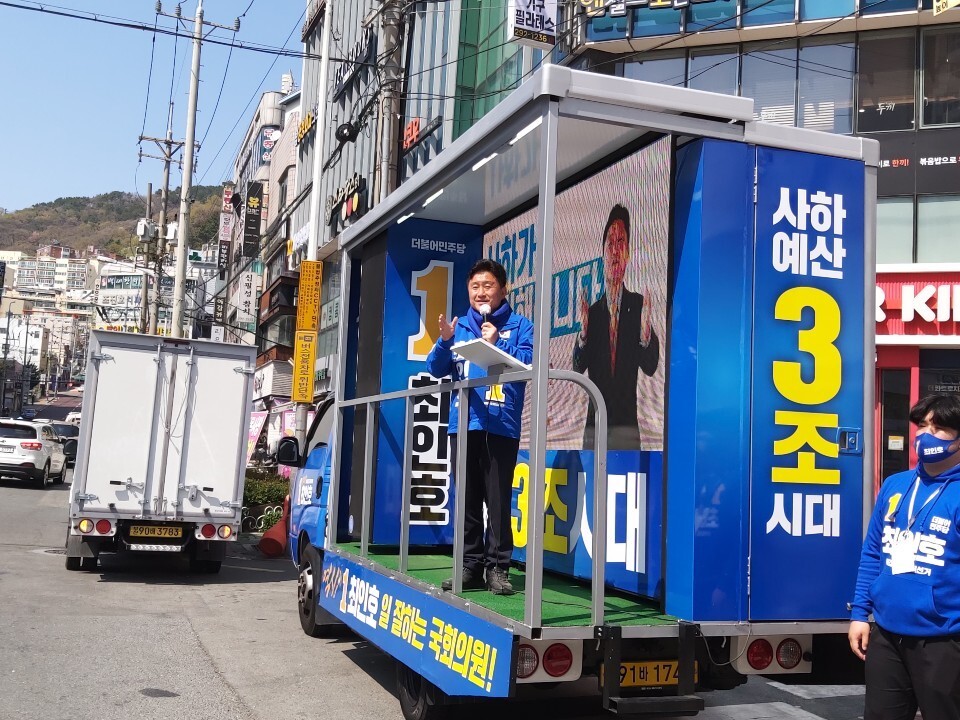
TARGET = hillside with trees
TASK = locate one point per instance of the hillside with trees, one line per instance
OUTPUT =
(107, 222)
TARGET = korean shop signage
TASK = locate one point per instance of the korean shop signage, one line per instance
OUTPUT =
(924, 162)
(533, 22)
(415, 132)
(253, 211)
(598, 8)
(349, 202)
(306, 126)
(358, 56)
(917, 305)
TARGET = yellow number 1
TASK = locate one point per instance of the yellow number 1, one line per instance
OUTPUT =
(434, 286)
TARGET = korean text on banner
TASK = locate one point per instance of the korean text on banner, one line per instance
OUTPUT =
(940, 6)
(533, 22)
(305, 351)
(257, 419)
(308, 297)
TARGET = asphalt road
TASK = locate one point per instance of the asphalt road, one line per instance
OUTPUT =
(145, 639)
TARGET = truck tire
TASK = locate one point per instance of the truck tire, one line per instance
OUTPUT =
(73, 563)
(88, 563)
(419, 699)
(307, 581)
(210, 567)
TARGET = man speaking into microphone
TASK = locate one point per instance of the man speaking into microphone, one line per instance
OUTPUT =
(493, 435)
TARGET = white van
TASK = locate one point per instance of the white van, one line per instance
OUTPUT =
(73, 417)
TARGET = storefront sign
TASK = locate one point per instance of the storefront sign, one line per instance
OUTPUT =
(532, 22)
(358, 56)
(253, 212)
(330, 314)
(245, 298)
(414, 134)
(598, 8)
(269, 137)
(940, 6)
(913, 308)
(227, 206)
(923, 162)
(306, 126)
(219, 310)
(350, 201)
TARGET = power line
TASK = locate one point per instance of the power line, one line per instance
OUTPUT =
(226, 71)
(153, 47)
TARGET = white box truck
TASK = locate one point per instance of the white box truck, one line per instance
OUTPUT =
(162, 449)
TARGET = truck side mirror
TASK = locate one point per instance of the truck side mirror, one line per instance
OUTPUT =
(70, 447)
(288, 452)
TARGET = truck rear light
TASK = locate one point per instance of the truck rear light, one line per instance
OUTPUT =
(527, 661)
(557, 660)
(208, 530)
(760, 654)
(85, 525)
(789, 654)
(225, 531)
(104, 526)
(31, 445)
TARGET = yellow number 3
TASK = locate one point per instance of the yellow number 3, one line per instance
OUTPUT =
(818, 341)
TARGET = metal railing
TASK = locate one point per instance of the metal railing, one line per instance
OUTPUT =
(533, 595)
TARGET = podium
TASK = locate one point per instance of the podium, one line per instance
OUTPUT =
(490, 358)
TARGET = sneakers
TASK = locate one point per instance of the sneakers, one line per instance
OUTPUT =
(498, 581)
(472, 580)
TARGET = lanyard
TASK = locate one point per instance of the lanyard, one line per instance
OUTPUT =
(911, 517)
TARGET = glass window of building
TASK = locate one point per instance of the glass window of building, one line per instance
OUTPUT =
(879, 7)
(716, 15)
(885, 92)
(649, 21)
(822, 9)
(825, 77)
(606, 28)
(895, 230)
(767, 12)
(941, 77)
(664, 70)
(770, 78)
(714, 70)
(937, 220)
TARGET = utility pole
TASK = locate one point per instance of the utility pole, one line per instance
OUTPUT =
(391, 19)
(320, 133)
(6, 349)
(189, 143)
(169, 148)
(144, 325)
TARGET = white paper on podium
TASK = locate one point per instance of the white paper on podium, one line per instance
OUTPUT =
(484, 355)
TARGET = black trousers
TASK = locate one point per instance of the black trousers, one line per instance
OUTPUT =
(491, 460)
(905, 672)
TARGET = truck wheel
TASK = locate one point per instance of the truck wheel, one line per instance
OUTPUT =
(308, 581)
(211, 567)
(88, 563)
(73, 563)
(419, 699)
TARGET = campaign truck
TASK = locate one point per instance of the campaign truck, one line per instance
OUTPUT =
(694, 473)
(162, 449)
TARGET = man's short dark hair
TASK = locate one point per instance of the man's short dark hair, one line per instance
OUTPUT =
(617, 212)
(945, 409)
(490, 266)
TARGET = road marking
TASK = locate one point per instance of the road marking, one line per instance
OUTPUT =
(819, 692)
(761, 711)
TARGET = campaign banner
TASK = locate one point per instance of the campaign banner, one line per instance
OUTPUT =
(426, 275)
(806, 493)
(459, 653)
(257, 419)
(634, 517)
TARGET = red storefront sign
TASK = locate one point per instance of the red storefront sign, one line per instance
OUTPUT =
(921, 305)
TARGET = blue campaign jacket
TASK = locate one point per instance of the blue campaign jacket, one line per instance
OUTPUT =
(926, 602)
(492, 412)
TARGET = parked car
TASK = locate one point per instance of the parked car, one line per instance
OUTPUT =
(28, 413)
(33, 451)
(66, 431)
(73, 417)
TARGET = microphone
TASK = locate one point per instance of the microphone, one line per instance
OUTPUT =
(485, 310)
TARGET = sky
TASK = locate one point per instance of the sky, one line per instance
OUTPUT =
(76, 92)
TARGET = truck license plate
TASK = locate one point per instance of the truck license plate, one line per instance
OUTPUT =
(650, 673)
(156, 531)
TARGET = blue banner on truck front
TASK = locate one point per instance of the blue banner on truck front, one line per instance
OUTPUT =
(426, 275)
(459, 653)
(808, 380)
(634, 517)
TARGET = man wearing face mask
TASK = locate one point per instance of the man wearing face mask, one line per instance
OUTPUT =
(493, 435)
(909, 578)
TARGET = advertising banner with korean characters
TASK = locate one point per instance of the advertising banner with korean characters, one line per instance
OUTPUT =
(634, 517)
(808, 379)
(426, 275)
(459, 653)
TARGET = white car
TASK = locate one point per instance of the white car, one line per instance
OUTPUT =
(32, 451)
(73, 418)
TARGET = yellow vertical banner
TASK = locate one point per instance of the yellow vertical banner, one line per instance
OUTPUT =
(304, 357)
(308, 325)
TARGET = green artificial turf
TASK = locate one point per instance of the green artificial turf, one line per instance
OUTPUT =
(566, 601)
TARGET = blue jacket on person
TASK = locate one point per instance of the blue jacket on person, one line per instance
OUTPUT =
(926, 602)
(496, 412)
